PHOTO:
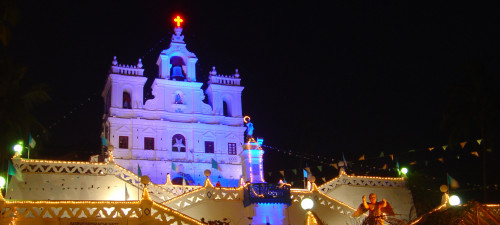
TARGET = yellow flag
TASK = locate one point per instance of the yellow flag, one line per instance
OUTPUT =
(462, 144)
(441, 160)
(475, 154)
(362, 157)
(384, 167)
(431, 148)
(445, 147)
(324, 180)
(335, 165)
(392, 157)
(413, 163)
(479, 141)
(282, 172)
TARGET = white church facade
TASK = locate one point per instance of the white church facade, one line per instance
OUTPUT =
(176, 132)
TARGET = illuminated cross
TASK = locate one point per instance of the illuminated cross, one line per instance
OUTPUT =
(178, 20)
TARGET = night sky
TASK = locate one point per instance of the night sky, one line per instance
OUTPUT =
(322, 79)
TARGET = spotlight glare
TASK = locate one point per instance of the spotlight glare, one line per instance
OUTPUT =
(454, 200)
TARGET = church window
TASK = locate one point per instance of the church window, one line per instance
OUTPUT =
(231, 148)
(178, 143)
(126, 100)
(123, 142)
(225, 108)
(209, 147)
(149, 143)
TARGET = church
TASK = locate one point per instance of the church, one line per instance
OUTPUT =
(181, 155)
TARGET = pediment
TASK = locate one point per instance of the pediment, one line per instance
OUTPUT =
(123, 129)
(208, 135)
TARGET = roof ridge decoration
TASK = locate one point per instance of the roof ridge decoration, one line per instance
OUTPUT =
(344, 179)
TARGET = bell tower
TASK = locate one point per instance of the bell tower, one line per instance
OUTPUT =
(176, 62)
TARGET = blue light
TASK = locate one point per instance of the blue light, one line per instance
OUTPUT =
(260, 141)
(269, 213)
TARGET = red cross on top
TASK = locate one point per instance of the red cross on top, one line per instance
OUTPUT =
(178, 20)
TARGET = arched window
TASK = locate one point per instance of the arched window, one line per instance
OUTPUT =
(176, 72)
(225, 108)
(178, 143)
(126, 100)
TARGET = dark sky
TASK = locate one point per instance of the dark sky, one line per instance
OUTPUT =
(348, 76)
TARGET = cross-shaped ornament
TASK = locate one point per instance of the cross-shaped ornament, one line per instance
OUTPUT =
(178, 20)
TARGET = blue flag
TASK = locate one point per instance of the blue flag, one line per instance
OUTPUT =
(12, 169)
(305, 173)
(14, 172)
(104, 141)
(215, 165)
(139, 173)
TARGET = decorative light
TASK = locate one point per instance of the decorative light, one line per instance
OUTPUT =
(454, 200)
(2, 182)
(18, 148)
(246, 119)
(307, 203)
(178, 20)
(404, 170)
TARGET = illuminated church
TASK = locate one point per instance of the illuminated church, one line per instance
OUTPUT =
(166, 153)
(176, 132)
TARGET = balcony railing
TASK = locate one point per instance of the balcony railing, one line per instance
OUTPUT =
(266, 193)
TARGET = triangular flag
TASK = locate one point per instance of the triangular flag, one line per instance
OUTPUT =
(441, 160)
(15, 172)
(381, 154)
(384, 167)
(183, 180)
(335, 165)
(320, 167)
(174, 168)
(291, 183)
(431, 148)
(475, 153)
(362, 158)
(32, 142)
(215, 165)
(452, 182)
(462, 144)
(413, 163)
(445, 147)
(479, 141)
(139, 173)
(294, 171)
(411, 150)
(391, 156)
(305, 173)
(127, 195)
(324, 180)
(282, 172)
